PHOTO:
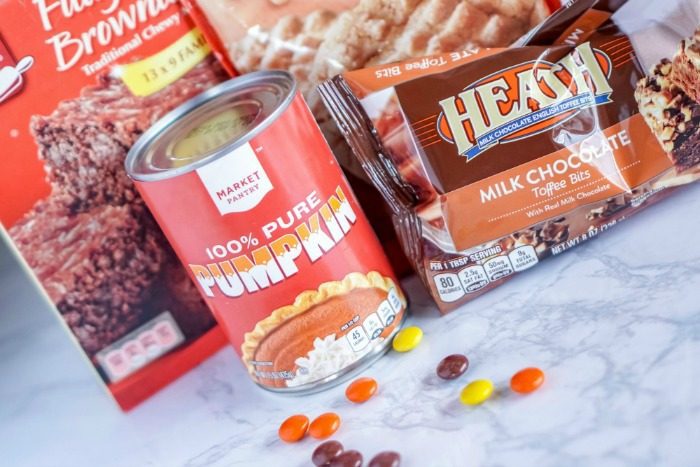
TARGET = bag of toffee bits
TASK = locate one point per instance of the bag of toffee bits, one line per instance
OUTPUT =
(494, 159)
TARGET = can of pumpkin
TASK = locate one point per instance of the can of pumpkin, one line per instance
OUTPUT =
(247, 191)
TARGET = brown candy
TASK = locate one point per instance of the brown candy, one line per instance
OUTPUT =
(325, 452)
(386, 459)
(350, 458)
(452, 366)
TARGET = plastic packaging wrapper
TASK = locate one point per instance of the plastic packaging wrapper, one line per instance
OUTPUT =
(492, 160)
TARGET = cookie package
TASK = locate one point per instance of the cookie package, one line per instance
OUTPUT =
(315, 40)
(76, 91)
(493, 159)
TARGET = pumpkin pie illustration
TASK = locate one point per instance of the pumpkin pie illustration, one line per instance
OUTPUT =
(323, 331)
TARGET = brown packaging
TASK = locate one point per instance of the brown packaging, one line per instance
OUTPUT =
(494, 159)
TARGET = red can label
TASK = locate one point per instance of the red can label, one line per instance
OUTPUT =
(281, 251)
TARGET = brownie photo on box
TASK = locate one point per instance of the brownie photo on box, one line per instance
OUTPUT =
(174, 291)
(92, 243)
(84, 142)
(96, 267)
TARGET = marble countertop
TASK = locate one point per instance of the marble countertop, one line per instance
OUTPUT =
(615, 324)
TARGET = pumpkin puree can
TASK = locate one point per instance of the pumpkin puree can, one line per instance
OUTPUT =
(249, 194)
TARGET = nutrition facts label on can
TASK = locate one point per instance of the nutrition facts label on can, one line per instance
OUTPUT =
(358, 338)
(386, 313)
(373, 326)
(452, 286)
(394, 300)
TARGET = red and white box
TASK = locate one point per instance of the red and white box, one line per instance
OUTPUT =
(79, 83)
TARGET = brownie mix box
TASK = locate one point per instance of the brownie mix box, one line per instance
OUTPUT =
(80, 81)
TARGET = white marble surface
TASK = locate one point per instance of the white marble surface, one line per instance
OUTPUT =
(615, 324)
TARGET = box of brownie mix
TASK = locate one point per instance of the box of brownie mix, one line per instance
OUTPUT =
(80, 80)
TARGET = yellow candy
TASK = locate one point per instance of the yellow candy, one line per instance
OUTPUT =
(476, 392)
(407, 339)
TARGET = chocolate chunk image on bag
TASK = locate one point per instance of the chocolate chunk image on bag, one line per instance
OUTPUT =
(540, 237)
(686, 66)
(492, 160)
(671, 114)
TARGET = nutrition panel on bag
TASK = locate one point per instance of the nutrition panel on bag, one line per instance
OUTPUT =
(455, 283)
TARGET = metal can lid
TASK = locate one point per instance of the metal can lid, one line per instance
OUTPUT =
(210, 125)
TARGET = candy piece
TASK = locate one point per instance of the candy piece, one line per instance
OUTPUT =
(476, 392)
(527, 380)
(325, 452)
(294, 428)
(452, 366)
(324, 425)
(386, 459)
(361, 390)
(407, 339)
(350, 458)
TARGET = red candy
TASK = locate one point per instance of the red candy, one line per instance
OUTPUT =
(527, 380)
(361, 390)
(324, 425)
(294, 428)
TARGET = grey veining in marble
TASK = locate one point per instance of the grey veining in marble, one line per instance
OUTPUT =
(615, 324)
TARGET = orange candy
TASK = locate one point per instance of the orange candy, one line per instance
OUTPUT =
(324, 425)
(361, 390)
(294, 428)
(527, 380)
